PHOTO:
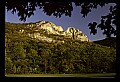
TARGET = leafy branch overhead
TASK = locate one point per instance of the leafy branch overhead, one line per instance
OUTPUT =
(25, 9)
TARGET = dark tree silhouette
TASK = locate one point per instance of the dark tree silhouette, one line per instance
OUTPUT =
(26, 9)
(92, 27)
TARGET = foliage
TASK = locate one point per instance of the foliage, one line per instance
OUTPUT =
(110, 42)
(25, 55)
(26, 9)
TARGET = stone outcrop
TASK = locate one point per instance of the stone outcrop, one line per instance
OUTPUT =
(76, 34)
(50, 28)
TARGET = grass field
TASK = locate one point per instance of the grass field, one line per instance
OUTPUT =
(106, 75)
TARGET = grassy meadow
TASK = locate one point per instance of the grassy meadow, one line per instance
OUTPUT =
(104, 75)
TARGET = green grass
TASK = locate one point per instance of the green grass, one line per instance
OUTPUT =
(106, 75)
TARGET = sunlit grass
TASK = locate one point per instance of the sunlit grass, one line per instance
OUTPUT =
(106, 75)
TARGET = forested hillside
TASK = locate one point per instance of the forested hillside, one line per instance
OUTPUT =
(110, 42)
(26, 55)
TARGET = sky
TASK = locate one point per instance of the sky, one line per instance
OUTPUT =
(76, 20)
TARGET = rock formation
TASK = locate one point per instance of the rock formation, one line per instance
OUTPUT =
(50, 27)
(44, 29)
(76, 34)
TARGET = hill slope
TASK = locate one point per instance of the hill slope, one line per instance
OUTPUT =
(27, 55)
(47, 31)
(109, 42)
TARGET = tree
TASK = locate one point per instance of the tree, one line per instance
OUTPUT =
(26, 9)
(8, 65)
(14, 69)
(45, 55)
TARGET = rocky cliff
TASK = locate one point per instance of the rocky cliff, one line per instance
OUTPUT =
(47, 31)
(76, 34)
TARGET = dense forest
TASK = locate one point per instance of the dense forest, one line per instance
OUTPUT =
(110, 42)
(26, 55)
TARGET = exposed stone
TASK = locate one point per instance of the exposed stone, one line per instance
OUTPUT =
(76, 34)
(51, 28)
(21, 30)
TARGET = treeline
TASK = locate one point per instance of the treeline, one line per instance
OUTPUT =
(24, 55)
(110, 42)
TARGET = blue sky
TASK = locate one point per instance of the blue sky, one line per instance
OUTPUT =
(75, 20)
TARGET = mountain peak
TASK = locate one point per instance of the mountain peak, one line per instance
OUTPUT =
(45, 30)
(71, 32)
(76, 34)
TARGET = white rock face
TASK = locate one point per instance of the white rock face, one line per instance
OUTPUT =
(21, 30)
(58, 28)
(51, 28)
(73, 32)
